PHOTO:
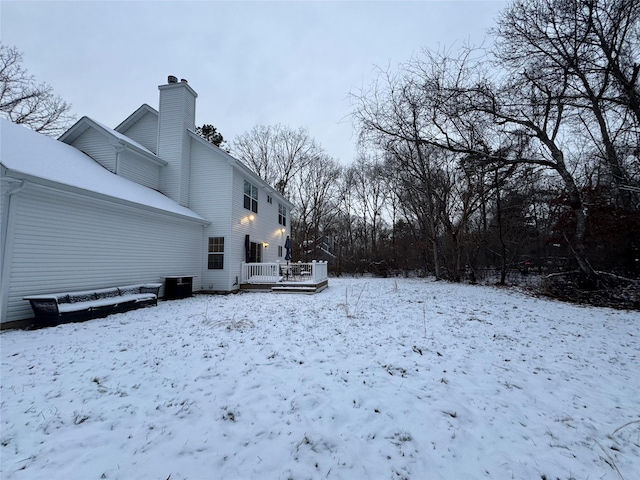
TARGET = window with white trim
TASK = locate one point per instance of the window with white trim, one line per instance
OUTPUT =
(215, 259)
(282, 215)
(250, 197)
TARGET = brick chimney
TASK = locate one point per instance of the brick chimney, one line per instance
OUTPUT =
(177, 113)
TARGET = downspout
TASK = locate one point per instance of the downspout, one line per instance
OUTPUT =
(119, 148)
(7, 231)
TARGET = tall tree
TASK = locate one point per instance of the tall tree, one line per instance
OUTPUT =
(24, 101)
(453, 103)
(276, 153)
(371, 192)
(593, 46)
(315, 194)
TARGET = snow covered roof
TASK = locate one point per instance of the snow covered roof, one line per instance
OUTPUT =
(85, 122)
(27, 153)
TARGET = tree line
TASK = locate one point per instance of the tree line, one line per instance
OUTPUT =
(522, 156)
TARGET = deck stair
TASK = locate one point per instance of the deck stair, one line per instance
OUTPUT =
(289, 288)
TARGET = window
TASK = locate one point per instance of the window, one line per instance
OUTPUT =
(282, 215)
(250, 197)
(269, 199)
(279, 250)
(216, 253)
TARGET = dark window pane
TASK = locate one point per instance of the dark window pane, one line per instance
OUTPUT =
(216, 261)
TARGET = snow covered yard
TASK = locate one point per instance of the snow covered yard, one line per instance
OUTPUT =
(370, 379)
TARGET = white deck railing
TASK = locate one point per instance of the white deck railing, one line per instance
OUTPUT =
(279, 272)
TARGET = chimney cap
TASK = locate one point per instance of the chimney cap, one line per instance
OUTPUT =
(172, 79)
(183, 80)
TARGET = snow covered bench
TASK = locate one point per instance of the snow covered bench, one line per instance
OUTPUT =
(63, 307)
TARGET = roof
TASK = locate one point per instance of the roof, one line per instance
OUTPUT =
(41, 159)
(135, 116)
(116, 137)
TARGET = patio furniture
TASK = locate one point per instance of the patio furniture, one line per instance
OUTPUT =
(55, 308)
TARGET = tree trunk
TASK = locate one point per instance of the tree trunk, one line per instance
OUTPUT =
(575, 201)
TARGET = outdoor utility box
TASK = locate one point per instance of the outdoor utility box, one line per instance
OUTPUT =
(178, 287)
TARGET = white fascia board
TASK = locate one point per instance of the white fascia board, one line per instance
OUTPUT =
(74, 131)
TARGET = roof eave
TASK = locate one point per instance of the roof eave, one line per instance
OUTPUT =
(82, 192)
(86, 122)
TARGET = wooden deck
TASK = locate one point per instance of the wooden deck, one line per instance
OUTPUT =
(280, 278)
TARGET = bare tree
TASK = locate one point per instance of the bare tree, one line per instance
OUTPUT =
(593, 47)
(276, 153)
(371, 192)
(315, 194)
(415, 169)
(24, 101)
(453, 103)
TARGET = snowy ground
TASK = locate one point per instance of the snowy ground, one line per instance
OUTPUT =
(370, 379)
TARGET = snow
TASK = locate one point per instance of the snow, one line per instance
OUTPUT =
(123, 138)
(39, 156)
(372, 378)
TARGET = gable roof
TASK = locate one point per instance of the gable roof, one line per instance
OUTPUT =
(115, 138)
(40, 159)
(135, 116)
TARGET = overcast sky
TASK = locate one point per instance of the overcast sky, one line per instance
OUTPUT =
(251, 62)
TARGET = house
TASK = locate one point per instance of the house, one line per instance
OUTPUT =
(147, 200)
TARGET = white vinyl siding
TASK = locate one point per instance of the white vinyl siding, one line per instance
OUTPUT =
(145, 131)
(95, 144)
(209, 194)
(64, 242)
(177, 114)
(262, 228)
(139, 169)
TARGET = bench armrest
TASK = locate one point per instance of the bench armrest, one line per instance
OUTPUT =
(150, 288)
(44, 305)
